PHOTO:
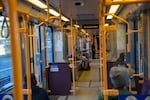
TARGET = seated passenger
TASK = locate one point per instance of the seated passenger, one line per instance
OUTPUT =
(85, 61)
(119, 77)
(37, 92)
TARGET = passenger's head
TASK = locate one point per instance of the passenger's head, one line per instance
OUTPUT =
(119, 77)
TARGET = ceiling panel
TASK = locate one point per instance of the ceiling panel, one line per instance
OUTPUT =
(85, 16)
(83, 11)
(78, 9)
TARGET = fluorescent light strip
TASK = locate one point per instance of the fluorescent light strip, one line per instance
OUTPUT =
(106, 24)
(109, 17)
(113, 10)
(64, 19)
(77, 26)
(43, 6)
(38, 3)
(53, 12)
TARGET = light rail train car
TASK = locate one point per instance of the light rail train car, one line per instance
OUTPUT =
(74, 49)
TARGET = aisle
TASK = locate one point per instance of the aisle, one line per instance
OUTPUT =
(87, 87)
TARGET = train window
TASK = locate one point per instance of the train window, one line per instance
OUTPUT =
(49, 36)
(5, 57)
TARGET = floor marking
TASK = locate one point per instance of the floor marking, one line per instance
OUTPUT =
(90, 83)
(66, 97)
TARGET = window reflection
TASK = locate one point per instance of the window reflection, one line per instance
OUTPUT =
(5, 57)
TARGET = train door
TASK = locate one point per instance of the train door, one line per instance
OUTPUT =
(35, 52)
(42, 54)
(34, 49)
(38, 52)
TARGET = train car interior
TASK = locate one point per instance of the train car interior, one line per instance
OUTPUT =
(72, 47)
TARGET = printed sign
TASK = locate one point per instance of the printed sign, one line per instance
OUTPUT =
(94, 26)
(54, 68)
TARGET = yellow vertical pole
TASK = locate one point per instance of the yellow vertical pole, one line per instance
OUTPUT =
(103, 40)
(60, 22)
(75, 52)
(129, 41)
(47, 3)
(73, 58)
(15, 49)
(25, 20)
(100, 52)
(46, 48)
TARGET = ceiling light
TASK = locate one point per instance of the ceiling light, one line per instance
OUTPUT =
(77, 26)
(43, 6)
(64, 18)
(38, 3)
(1, 8)
(109, 17)
(106, 24)
(53, 12)
(113, 9)
(82, 30)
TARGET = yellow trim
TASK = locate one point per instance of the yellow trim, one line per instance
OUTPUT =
(25, 20)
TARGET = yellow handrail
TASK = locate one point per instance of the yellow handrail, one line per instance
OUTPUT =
(73, 57)
(25, 20)
(103, 44)
(15, 49)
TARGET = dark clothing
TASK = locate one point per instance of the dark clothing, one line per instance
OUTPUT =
(93, 51)
(39, 93)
